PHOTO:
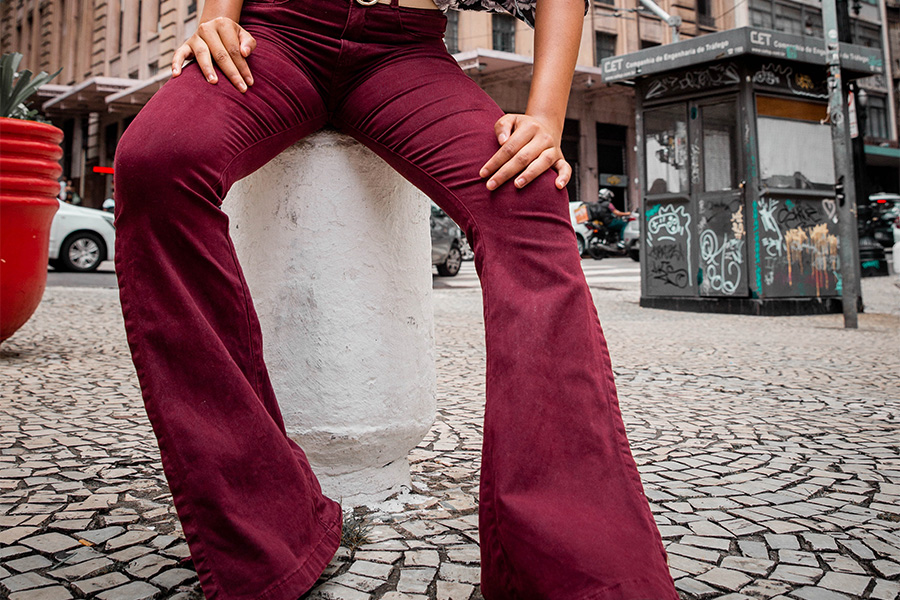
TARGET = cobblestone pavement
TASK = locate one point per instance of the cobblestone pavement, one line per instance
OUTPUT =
(769, 449)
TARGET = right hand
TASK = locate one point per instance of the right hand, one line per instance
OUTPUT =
(223, 40)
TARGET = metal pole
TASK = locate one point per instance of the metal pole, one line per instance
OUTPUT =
(843, 167)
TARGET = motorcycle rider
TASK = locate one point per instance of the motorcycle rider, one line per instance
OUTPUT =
(607, 213)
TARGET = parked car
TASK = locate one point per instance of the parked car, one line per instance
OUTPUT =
(446, 243)
(876, 219)
(631, 236)
(81, 238)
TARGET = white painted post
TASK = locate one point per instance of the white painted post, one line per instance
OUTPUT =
(335, 247)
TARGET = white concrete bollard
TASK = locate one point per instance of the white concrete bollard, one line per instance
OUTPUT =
(335, 246)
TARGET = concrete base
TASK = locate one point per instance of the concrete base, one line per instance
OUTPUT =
(336, 247)
(773, 307)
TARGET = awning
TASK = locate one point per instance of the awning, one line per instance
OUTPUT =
(482, 65)
(132, 99)
(86, 97)
(882, 156)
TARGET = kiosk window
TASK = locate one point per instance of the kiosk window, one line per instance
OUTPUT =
(795, 149)
(665, 135)
(719, 147)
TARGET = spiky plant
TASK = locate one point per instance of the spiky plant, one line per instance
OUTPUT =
(17, 87)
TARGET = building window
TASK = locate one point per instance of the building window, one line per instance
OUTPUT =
(704, 13)
(866, 35)
(607, 2)
(761, 14)
(648, 44)
(794, 143)
(504, 28)
(788, 19)
(876, 117)
(451, 36)
(605, 46)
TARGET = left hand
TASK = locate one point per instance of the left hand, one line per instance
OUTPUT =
(529, 145)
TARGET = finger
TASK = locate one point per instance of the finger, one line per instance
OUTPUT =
(519, 138)
(224, 57)
(516, 164)
(564, 173)
(204, 60)
(229, 37)
(248, 45)
(183, 53)
(503, 127)
(544, 161)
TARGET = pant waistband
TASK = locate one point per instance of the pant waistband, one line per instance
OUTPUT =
(426, 4)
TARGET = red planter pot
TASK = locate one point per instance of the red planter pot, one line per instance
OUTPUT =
(29, 174)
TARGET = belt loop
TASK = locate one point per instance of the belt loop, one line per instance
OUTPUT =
(395, 3)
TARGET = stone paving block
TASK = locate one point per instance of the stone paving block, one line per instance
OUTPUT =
(464, 554)
(4, 573)
(796, 574)
(80, 554)
(402, 596)
(696, 553)
(452, 590)
(358, 582)
(25, 581)
(725, 578)
(766, 588)
(100, 583)
(148, 565)
(798, 557)
(56, 592)
(886, 568)
(129, 538)
(98, 536)
(378, 556)
(136, 590)
(782, 542)
(459, 573)
(371, 569)
(82, 569)
(885, 590)
(172, 577)
(28, 563)
(695, 588)
(757, 566)
(818, 593)
(421, 558)
(415, 581)
(688, 565)
(130, 553)
(334, 591)
(706, 542)
(753, 549)
(14, 534)
(854, 585)
(842, 563)
(819, 541)
(858, 549)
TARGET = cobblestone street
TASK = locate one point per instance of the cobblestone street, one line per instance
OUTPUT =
(769, 449)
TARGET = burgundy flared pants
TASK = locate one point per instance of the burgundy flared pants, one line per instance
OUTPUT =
(562, 513)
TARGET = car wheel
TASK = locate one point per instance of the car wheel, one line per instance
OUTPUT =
(634, 254)
(450, 266)
(580, 240)
(82, 251)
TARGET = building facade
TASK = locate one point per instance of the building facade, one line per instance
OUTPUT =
(116, 53)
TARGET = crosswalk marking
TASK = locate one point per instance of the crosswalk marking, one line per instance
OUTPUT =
(609, 272)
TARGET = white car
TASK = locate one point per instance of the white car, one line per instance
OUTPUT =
(81, 238)
(581, 230)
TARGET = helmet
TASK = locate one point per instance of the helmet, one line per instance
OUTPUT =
(606, 195)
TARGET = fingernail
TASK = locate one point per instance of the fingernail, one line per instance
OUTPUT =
(491, 184)
(520, 182)
(242, 87)
(483, 172)
(503, 137)
(212, 78)
(249, 81)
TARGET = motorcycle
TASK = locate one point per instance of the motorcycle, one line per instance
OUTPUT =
(603, 242)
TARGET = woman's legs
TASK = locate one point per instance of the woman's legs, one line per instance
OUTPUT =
(254, 516)
(562, 510)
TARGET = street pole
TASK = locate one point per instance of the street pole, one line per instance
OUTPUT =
(843, 167)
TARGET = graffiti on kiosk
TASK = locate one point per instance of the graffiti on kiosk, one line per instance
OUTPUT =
(668, 244)
(797, 246)
(721, 262)
(782, 75)
(697, 79)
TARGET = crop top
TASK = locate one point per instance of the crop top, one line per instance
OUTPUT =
(521, 9)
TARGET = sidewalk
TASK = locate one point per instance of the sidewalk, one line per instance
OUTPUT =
(769, 448)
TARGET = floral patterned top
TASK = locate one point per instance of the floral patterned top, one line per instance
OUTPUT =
(521, 9)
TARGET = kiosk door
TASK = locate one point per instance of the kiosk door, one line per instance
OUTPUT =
(719, 197)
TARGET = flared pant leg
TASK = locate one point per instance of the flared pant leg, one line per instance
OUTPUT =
(562, 514)
(253, 513)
